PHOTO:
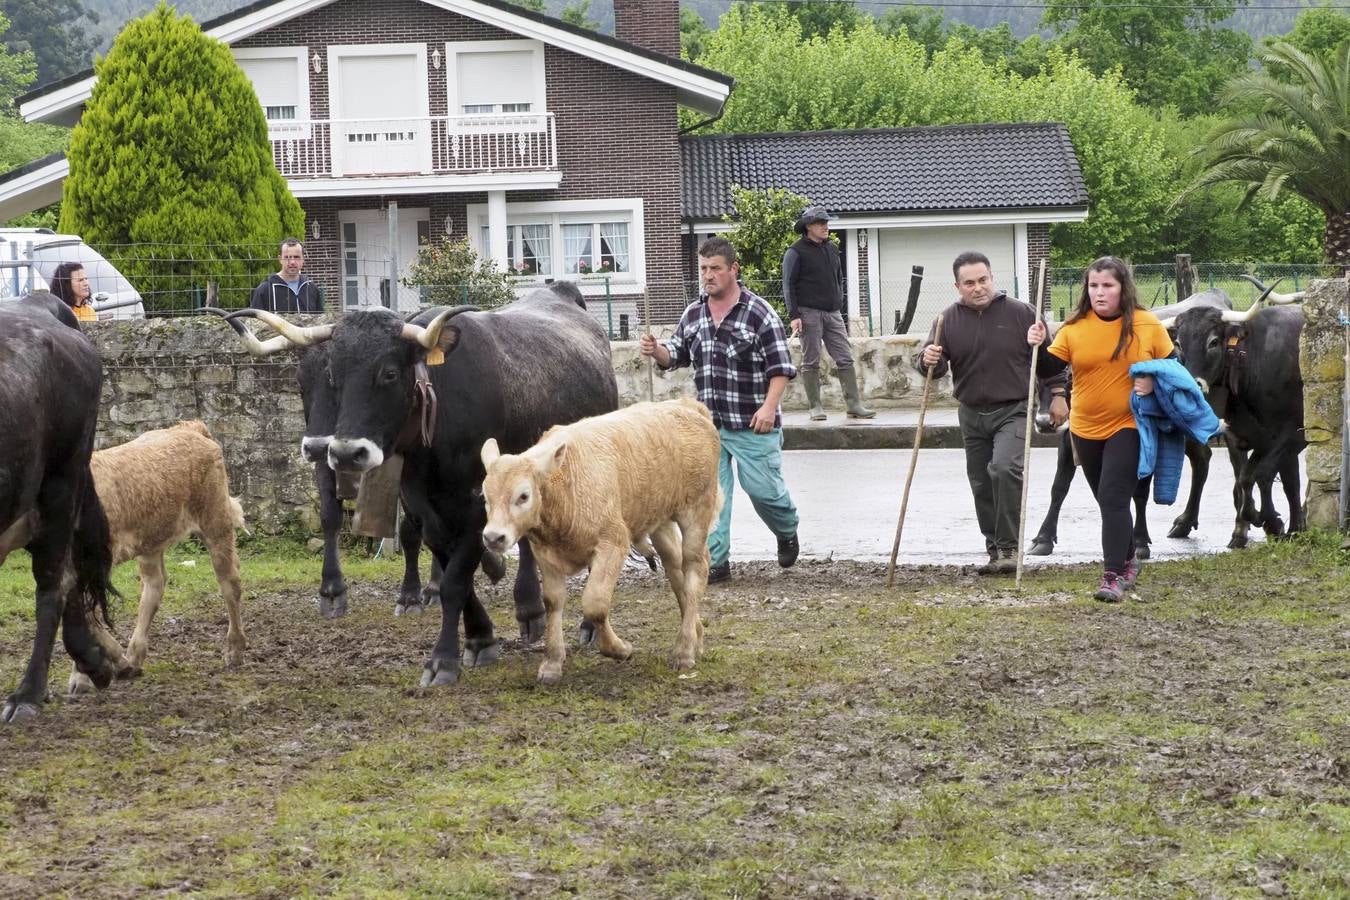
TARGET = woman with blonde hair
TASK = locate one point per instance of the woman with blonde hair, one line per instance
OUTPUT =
(1108, 332)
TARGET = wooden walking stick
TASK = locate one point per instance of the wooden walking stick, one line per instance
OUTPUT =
(647, 325)
(914, 457)
(1026, 449)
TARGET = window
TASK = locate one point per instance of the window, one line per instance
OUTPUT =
(565, 240)
(281, 80)
(495, 77)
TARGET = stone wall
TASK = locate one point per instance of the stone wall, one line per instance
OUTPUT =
(158, 371)
(1322, 361)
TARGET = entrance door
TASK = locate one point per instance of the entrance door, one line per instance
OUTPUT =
(365, 257)
(381, 108)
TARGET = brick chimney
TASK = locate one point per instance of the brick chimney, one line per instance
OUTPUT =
(653, 24)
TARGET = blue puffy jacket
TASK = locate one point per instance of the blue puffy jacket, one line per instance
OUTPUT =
(1165, 418)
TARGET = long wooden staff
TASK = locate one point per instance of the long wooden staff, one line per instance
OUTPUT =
(914, 457)
(651, 361)
(1026, 449)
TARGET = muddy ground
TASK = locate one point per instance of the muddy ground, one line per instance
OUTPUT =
(952, 736)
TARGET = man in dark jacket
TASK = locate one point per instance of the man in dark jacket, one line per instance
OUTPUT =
(813, 292)
(984, 338)
(288, 290)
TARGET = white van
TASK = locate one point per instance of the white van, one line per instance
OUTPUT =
(28, 261)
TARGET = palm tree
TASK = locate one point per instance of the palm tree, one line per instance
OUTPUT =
(1298, 139)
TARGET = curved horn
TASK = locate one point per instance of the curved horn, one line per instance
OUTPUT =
(429, 335)
(300, 337)
(1230, 315)
(1295, 297)
(254, 346)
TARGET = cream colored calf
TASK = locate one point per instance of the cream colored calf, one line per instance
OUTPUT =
(589, 490)
(156, 490)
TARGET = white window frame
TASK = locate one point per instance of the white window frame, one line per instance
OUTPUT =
(558, 213)
(421, 87)
(281, 129)
(454, 100)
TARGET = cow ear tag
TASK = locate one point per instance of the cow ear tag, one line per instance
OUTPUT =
(435, 356)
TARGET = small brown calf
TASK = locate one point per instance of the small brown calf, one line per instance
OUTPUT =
(156, 490)
(588, 490)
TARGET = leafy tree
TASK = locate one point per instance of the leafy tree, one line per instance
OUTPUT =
(817, 17)
(535, 5)
(762, 235)
(693, 32)
(1318, 30)
(16, 71)
(451, 273)
(1171, 53)
(172, 150)
(869, 79)
(56, 32)
(1297, 142)
(579, 13)
(922, 23)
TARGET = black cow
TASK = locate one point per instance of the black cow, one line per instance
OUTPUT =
(1043, 544)
(509, 374)
(50, 379)
(1247, 364)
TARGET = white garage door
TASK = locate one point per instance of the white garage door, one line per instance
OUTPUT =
(934, 248)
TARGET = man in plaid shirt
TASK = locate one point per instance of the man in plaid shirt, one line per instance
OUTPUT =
(738, 348)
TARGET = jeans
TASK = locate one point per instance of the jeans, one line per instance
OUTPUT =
(759, 464)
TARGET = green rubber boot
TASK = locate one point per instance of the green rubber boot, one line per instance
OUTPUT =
(849, 379)
(811, 381)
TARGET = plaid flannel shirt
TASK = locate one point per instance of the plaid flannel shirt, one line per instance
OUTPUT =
(734, 361)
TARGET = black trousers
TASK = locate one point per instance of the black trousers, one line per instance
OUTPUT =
(1112, 470)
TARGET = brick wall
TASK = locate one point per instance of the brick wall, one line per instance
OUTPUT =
(654, 24)
(1038, 250)
(616, 131)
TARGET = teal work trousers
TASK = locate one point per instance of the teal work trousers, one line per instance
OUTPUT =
(759, 466)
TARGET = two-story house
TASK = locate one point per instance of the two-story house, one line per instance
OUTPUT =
(553, 148)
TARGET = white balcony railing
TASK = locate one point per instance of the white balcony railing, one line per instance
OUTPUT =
(430, 145)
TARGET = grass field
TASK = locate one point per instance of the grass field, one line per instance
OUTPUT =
(952, 736)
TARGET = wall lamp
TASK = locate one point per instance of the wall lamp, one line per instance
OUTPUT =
(316, 63)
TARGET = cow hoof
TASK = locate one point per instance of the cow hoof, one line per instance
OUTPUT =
(431, 595)
(1237, 542)
(411, 609)
(334, 607)
(485, 655)
(1142, 551)
(16, 713)
(493, 566)
(620, 650)
(438, 673)
(586, 633)
(532, 629)
(550, 673)
(1182, 528)
(682, 660)
(1041, 548)
(79, 683)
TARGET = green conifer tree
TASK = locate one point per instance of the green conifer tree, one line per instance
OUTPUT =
(171, 171)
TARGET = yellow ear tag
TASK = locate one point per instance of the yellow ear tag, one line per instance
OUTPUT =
(435, 356)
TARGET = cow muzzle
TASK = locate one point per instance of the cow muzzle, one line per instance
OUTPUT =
(359, 455)
(495, 540)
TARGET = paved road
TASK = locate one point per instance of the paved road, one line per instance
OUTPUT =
(849, 501)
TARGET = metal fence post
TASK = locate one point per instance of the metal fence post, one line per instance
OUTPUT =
(609, 308)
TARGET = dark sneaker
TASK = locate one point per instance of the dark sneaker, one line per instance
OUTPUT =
(719, 573)
(788, 549)
(1002, 561)
(1110, 590)
(1131, 575)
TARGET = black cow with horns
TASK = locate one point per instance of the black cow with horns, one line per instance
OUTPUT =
(1247, 364)
(434, 393)
(50, 378)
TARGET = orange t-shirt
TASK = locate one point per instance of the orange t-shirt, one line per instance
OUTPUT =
(1102, 385)
(85, 313)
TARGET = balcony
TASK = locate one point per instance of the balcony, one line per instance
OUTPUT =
(429, 145)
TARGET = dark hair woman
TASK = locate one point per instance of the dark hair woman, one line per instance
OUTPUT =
(1108, 332)
(71, 284)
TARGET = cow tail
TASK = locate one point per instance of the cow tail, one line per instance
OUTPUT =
(91, 552)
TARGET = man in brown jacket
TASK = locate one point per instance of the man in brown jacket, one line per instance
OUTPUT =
(984, 341)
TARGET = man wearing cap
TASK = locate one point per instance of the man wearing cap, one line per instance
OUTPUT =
(288, 291)
(813, 289)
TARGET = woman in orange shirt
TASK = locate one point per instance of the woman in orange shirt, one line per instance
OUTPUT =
(1107, 332)
(71, 284)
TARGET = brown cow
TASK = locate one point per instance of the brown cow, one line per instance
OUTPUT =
(587, 491)
(156, 490)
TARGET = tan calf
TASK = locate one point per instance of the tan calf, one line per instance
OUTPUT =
(156, 490)
(588, 490)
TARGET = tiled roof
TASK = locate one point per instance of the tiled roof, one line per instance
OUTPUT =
(889, 170)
